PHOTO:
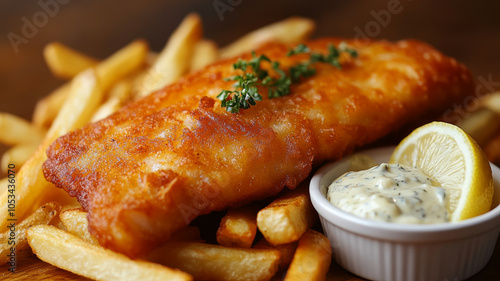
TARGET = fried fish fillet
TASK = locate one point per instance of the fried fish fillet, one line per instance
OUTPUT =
(152, 167)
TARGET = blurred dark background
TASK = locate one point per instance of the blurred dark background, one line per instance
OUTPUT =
(466, 30)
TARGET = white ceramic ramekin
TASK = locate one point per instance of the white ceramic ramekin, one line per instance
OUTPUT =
(388, 251)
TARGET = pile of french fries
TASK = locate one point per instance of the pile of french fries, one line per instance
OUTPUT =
(55, 226)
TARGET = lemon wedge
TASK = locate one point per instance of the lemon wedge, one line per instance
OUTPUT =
(449, 156)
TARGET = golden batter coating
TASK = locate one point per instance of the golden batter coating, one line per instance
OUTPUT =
(151, 168)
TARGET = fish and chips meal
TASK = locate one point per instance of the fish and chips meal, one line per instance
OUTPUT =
(149, 142)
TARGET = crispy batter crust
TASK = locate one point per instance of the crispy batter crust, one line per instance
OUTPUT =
(155, 165)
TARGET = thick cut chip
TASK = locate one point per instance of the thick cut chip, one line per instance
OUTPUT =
(312, 258)
(75, 255)
(286, 250)
(215, 262)
(238, 227)
(288, 217)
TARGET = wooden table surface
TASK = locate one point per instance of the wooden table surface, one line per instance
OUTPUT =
(468, 31)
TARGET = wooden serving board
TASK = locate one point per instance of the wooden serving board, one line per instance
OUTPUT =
(29, 267)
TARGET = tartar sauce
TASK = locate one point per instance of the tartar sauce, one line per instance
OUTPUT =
(392, 193)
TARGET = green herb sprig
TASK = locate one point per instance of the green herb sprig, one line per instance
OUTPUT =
(246, 93)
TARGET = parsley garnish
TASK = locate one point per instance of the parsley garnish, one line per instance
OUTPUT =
(246, 92)
(300, 49)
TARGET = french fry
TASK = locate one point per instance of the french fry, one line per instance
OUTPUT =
(16, 130)
(17, 155)
(32, 189)
(106, 109)
(286, 250)
(120, 64)
(57, 220)
(291, 30)
(215, 262)
(3, 184)
(174, 60)
(85, 94)
(492, 102)
(288, 217)
(481, 125)
(118, 95)
(75, 255)
(42, 215)
(151, 58)
(65, 62)
(205, 53)
(48, 107)
(75, 222)
(312, 258)
(238, 227)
